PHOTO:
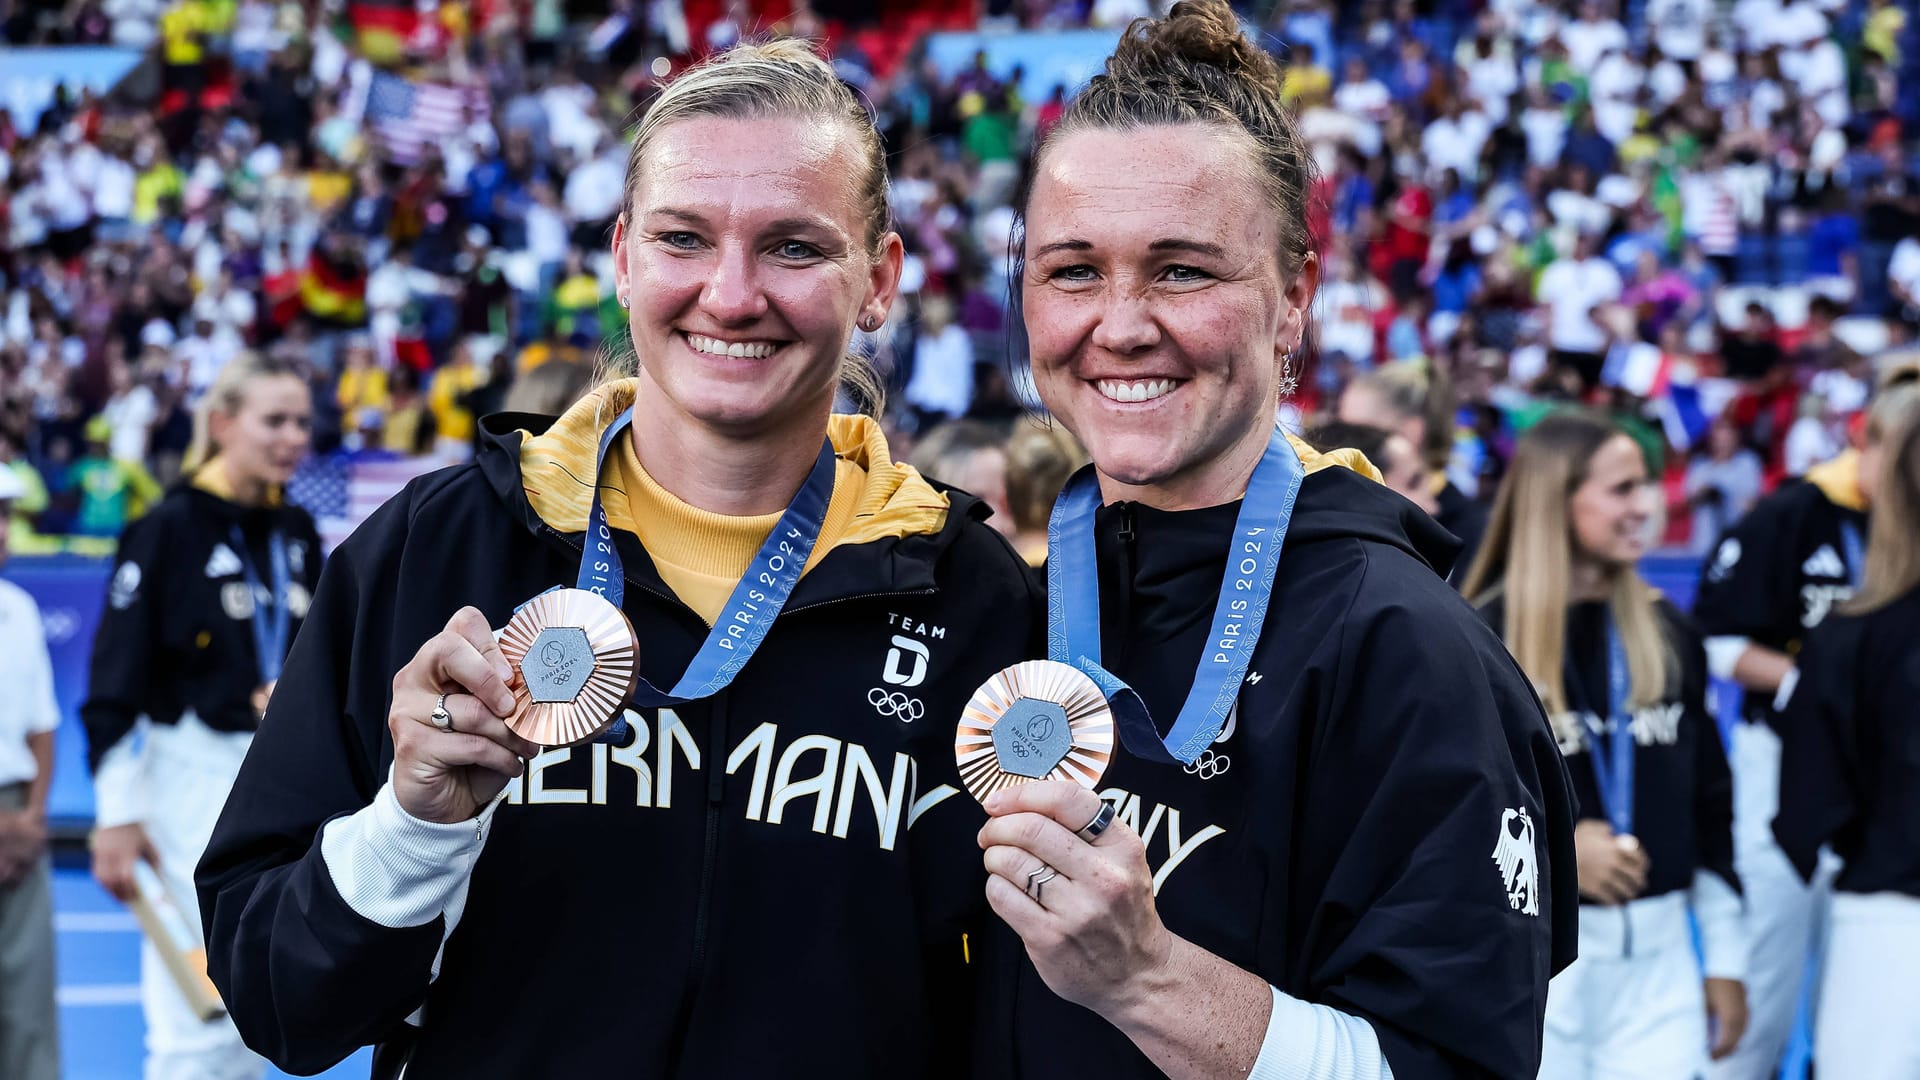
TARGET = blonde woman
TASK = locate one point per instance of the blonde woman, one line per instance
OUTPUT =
(1415, 400)
(1850, 772)
(207, 592)
(767, 873)
(1624, 682)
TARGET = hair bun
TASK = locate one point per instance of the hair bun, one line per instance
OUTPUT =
(1195, 32)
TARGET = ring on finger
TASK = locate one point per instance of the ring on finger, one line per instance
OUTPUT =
(1037, 879)
(1091, 830)
(441, 718)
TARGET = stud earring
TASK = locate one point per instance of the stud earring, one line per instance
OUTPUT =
(869, 324)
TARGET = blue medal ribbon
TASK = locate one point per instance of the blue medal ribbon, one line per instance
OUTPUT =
(756, 601)
(1073, 600)
(1856, 553)
(1610, 743)
(272, 620)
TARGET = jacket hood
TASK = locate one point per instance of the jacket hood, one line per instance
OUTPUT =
(1337, 504)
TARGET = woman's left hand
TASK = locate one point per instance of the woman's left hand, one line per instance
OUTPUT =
(1091, 930)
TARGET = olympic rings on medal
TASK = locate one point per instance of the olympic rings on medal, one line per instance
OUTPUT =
(908, 709)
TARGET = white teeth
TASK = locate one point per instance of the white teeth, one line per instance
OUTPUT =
(753, 350)
(1140, 390)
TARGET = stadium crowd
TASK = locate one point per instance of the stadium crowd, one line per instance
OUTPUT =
(1700, 218)
(1702, 215)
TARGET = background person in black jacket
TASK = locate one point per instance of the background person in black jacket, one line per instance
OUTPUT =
(207, 591)
(1624, 682)
(1850, 775)
(1316, 893)
(767, 876)
(1771, 580)
(1414, 399)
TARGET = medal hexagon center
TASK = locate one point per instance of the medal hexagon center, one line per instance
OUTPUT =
(557, 665)
(1032, 738)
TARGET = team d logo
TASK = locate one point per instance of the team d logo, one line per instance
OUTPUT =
(906, 663)
(1516, 856)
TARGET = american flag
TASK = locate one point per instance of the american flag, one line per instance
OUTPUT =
(342, 490)
(408, 117)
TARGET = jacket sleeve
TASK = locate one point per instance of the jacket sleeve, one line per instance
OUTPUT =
(307, 978)
(1715, 894)
(1447, 856)
(1743, 592)
(119, 675)
(1820, 768)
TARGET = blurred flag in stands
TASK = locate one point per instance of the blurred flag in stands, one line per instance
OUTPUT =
(343, 489)
(383, 27)
(408, 117)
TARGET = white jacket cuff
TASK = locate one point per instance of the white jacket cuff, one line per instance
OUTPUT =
(396, 870)
(120, 783)
(1723, 926)
(1723, 653)
(1315, 1042)
(1785, 694)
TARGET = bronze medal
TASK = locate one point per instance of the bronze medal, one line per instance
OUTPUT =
(261, 695)
(1038, 720)
(576, 661)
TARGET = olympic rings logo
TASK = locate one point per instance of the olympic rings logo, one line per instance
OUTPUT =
(1208, 765)
(908, 709)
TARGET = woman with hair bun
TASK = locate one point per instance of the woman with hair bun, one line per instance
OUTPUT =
(1348, 853)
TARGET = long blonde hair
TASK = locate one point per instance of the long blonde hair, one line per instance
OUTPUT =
(1893, 542)
(1526, 563)
(225, 397)
(784, 79)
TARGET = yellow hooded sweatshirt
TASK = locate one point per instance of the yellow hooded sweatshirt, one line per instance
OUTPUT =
(700, 555)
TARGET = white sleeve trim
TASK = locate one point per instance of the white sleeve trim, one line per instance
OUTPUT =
(1785, 694)
(1723, 926)
(1314, 1042)
(1723, 653)
(396, 870)
(120, 783)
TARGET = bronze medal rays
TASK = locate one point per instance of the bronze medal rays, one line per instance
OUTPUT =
(576, 660)
(1038, 720)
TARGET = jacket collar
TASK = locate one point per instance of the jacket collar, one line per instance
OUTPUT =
(893, 565)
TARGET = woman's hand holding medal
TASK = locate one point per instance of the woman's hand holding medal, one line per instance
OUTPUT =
(452, 750)
(1090, 928)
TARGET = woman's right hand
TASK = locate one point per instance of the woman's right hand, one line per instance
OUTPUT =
(1612, 868)
(115, 850)
(450, 776)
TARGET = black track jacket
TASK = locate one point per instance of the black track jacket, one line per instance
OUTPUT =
(774, 881)
(1339, 839)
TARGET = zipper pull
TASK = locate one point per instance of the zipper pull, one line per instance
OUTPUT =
(1126, 523)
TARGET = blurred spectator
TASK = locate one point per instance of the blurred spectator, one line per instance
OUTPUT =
(942, 383)
(1723, 482)
(29, 1034)
(1039, 460)
(969, 455)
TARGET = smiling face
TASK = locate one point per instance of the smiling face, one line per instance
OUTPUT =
(745, 259)
(1611, 509)
(1157, 311)
(267, 434)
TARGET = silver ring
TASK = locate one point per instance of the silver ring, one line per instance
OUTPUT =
(1037, 879)
(441, 718)
(1091, 830)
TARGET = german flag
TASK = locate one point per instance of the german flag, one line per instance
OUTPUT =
(334, 290)
(383, 28)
